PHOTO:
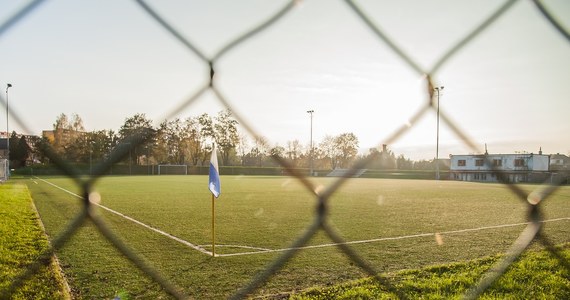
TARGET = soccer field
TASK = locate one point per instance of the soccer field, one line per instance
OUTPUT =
(392, 224)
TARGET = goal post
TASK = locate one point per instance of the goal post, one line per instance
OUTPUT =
(172, 169)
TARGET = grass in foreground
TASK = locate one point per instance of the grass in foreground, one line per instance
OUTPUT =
(21, 242)
(537, 275)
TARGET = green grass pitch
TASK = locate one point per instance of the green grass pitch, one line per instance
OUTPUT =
(393, 224)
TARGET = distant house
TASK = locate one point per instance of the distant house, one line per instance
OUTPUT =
(61, 136)
(526, 167)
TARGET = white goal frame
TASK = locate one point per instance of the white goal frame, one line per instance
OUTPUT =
(163, 169)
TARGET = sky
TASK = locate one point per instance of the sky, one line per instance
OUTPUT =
(105, 61)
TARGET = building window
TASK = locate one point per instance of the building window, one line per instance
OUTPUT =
(519, 162)
(461, 163)
(497, 162)
(479, 162)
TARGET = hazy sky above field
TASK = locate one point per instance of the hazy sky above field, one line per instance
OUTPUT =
(108, 60)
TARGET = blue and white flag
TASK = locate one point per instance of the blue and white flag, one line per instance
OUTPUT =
(214, 182)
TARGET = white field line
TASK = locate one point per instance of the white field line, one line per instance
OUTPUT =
(237, 246)
(391, 238)
(266, 250)
(195, 247)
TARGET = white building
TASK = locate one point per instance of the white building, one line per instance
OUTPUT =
(525, 167)
(559, 162)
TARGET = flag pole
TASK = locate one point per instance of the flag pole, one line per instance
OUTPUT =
(213, 228)
(215, 188)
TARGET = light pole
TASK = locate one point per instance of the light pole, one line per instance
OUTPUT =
(311, 144)
(437, 90)
(9, 85)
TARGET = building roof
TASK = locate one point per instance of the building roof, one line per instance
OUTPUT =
(498, 155)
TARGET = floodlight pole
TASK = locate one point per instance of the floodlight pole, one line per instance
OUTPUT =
(311, 144)
(437, 90)
(9, 85)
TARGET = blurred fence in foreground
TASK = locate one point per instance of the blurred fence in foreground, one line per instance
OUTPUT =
(531, 233)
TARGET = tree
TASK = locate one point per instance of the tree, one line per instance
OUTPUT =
(347, 145)
(23, 151)
(403, 163)
(62, 122)
(99, 144)
(329, 151)
(137, 132)
(135, 124)
(384, 159)
(242, 148)
(36, 153)
(226, 134)
(66, 132)
(257, 154)
(320, 159)
(294, 151)
(424, 165)
(19, 151)
(277, 151)
(59, 127)
(78, 150)
(170, 135)
(193, 140)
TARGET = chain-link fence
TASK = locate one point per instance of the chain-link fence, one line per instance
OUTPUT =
(531, 233)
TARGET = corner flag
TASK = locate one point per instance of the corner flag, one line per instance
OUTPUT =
(214, 182)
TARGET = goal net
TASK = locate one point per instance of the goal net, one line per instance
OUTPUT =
(172, 170)
(3, 170)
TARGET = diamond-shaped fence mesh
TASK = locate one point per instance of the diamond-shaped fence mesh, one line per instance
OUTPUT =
(320, 223)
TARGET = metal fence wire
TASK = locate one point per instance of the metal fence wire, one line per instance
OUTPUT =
(531, 233)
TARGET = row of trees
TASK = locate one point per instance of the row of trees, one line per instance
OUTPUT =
(189, 141)
(177, 141)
